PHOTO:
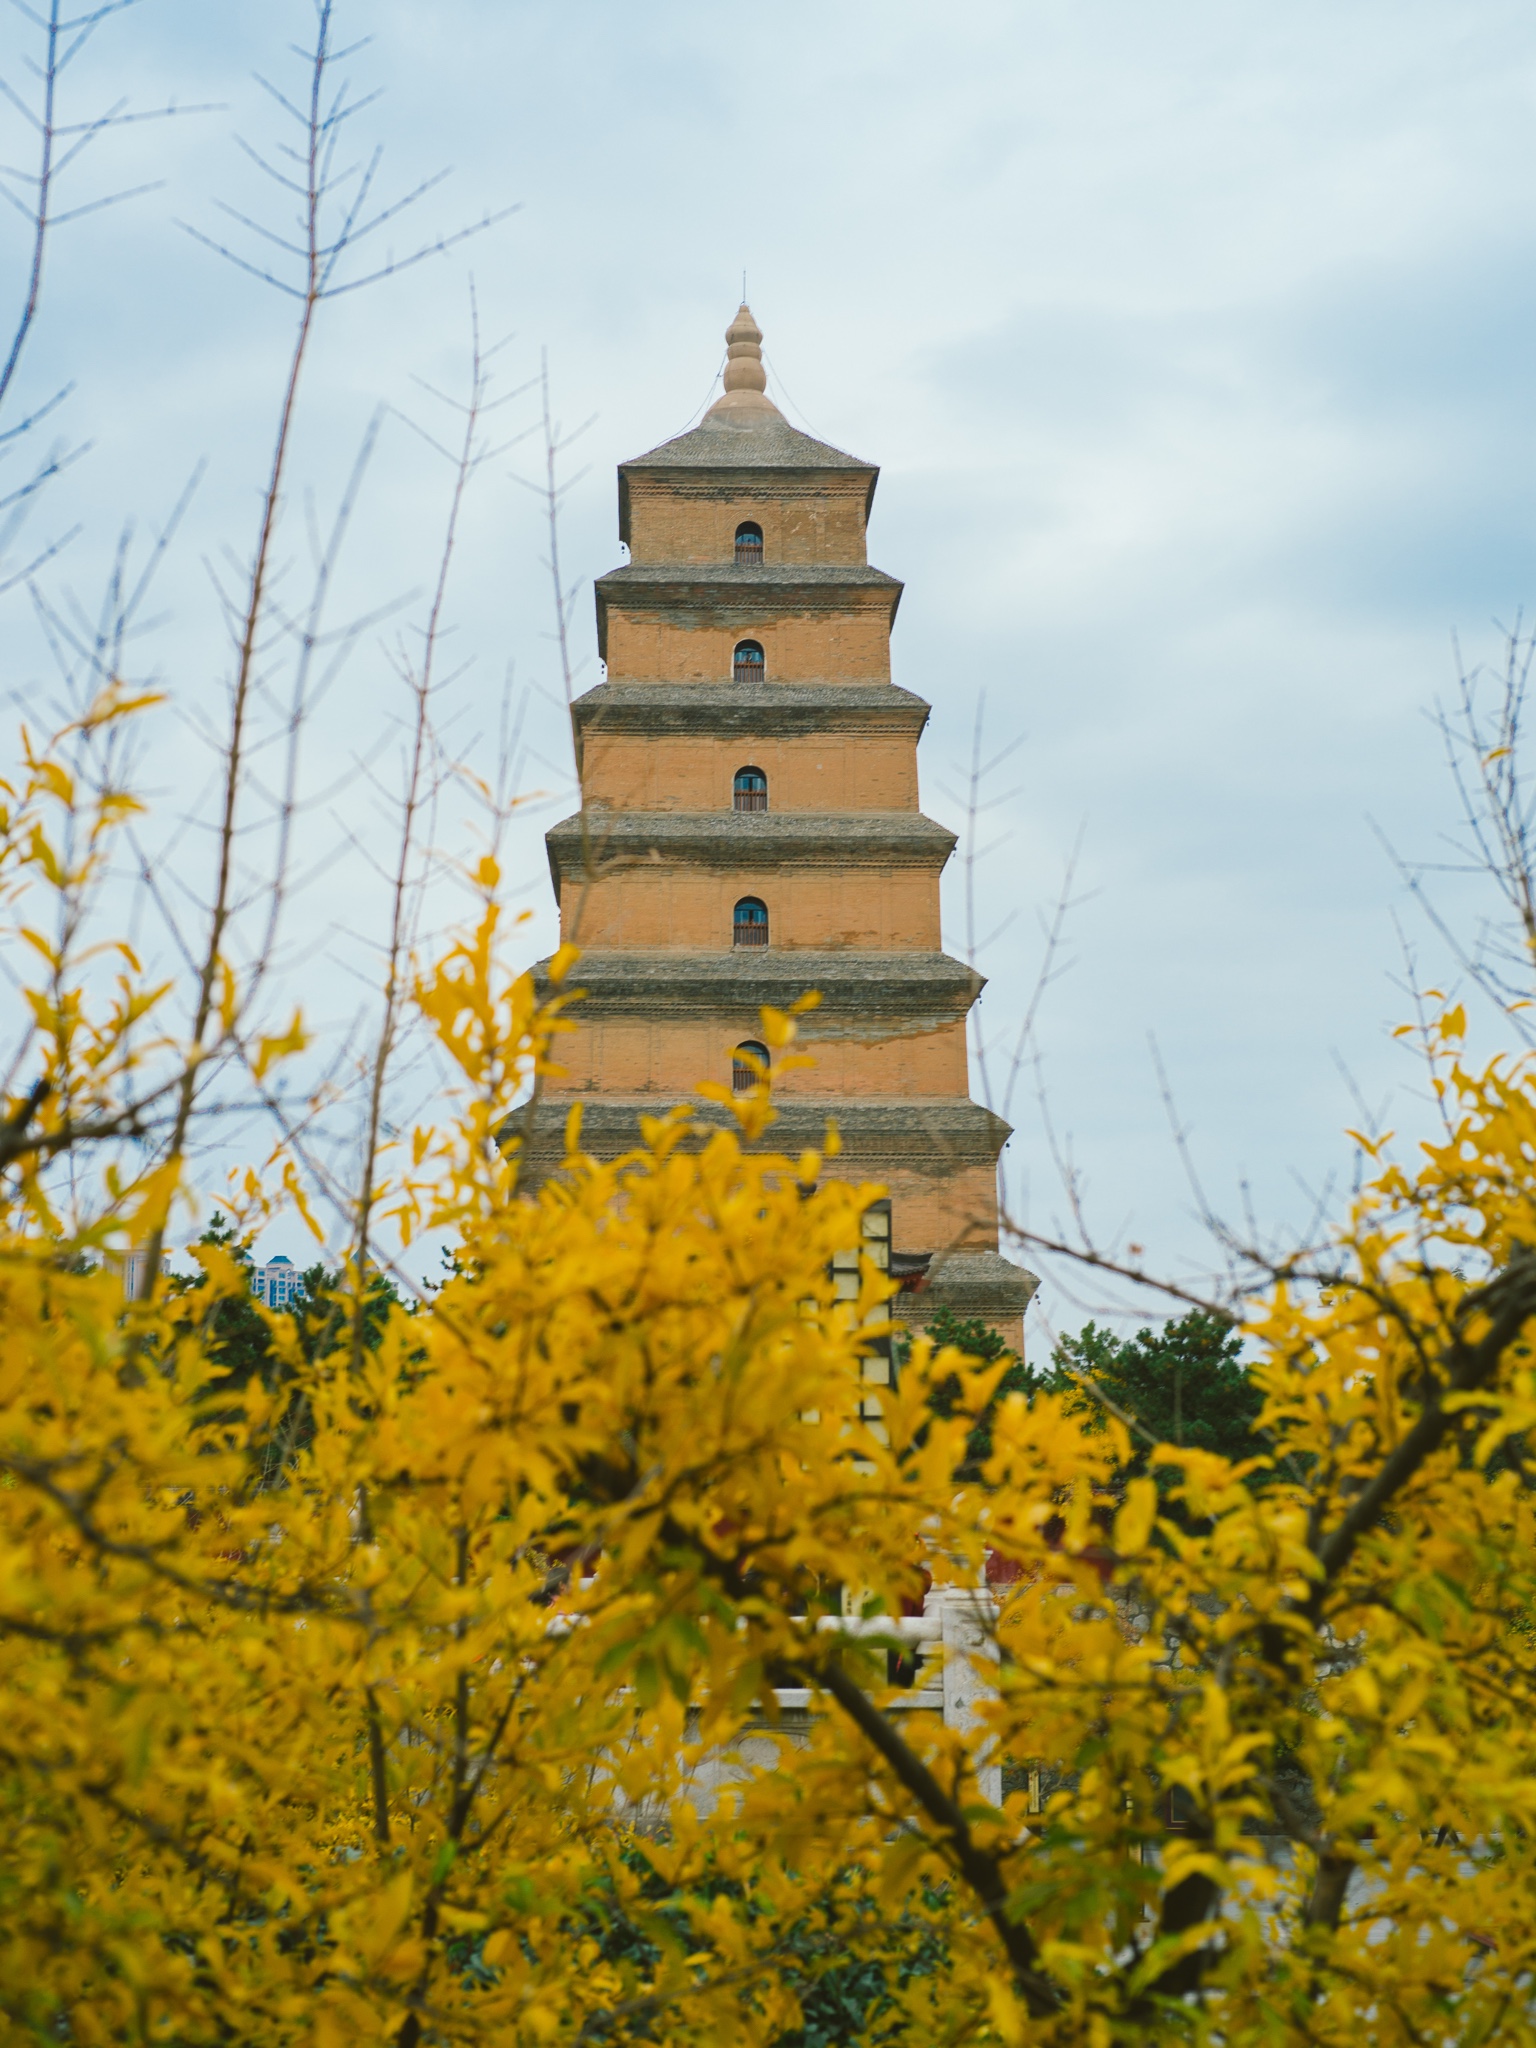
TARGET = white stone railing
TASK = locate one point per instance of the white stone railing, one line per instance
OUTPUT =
(954, 1638)
(954, 1635)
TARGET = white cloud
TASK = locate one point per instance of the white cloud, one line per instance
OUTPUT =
(1193, 341)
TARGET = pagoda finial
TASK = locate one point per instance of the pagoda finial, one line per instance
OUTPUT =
(745, 380)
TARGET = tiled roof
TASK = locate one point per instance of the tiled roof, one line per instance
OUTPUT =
(757, 440)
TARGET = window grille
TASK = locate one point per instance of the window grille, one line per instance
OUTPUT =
(747, 665)
(749, 545)
(751, 790)
(745, 1075)
(751, 922)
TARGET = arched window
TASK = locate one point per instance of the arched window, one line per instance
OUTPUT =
(749, 1065)
(750, 925)
(747, 663)
(751, 791)
(749, 545)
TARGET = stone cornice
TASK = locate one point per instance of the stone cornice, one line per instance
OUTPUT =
(740, 839)
(938, 1133)
(725, 594)
(661, 582)
(925, 1136)
(865, 995)
(768, 710)
(971, 1283)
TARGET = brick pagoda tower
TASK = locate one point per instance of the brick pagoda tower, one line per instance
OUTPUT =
(750, 829)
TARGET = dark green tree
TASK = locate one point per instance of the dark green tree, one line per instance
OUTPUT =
(971, 1335)
(238, 1339)
(1184, 1384)
(236, 1336)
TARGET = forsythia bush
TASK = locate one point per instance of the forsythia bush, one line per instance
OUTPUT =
(363, 1703)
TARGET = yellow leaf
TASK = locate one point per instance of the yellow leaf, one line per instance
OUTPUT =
(374, 1932)
(1005, 2012)
(281, 1046)
(294, 1188)
(1134, 1521)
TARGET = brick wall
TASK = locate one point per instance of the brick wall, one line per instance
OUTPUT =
(647, 907)
(829, 772)
(694, 521)
(852, 645)
(670, 1056)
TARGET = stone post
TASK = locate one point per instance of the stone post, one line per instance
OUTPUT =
(968, 1621)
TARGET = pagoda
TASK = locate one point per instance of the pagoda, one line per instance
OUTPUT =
(749, 830)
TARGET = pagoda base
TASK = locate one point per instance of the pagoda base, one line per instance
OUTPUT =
(937, 1156)
(980, 1286)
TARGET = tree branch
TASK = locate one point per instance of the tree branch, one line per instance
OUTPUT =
(982, 1871)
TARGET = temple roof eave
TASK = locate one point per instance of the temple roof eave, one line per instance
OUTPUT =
(771, 709)
(745, 839)
(749, 449)
(945, 1130)
(763, 440)
(725, 590)
(897, 994)
(667, 579)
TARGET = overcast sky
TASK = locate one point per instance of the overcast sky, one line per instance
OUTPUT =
(1193, 338)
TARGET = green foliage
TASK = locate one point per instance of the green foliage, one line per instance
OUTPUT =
(978, 1340)
(1184, 1384)
(969, 1334)
(846, 1964)
(234, 1337)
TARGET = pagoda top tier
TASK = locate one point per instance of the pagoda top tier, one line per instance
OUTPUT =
(744, 429)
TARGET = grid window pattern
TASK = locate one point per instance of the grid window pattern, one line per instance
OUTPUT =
(878, 1367)
(277, 1283)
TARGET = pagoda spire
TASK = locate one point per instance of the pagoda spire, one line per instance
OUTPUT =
(745, 380)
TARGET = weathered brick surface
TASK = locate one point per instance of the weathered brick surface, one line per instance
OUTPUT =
(669, 1057)
(647, 906)
(849, 645)
(830, 772)
(686, 519)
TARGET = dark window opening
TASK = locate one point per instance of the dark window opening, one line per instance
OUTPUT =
(747, 663)
(751, 790)
(751, 922)
(749, 1065)
(749, 545)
